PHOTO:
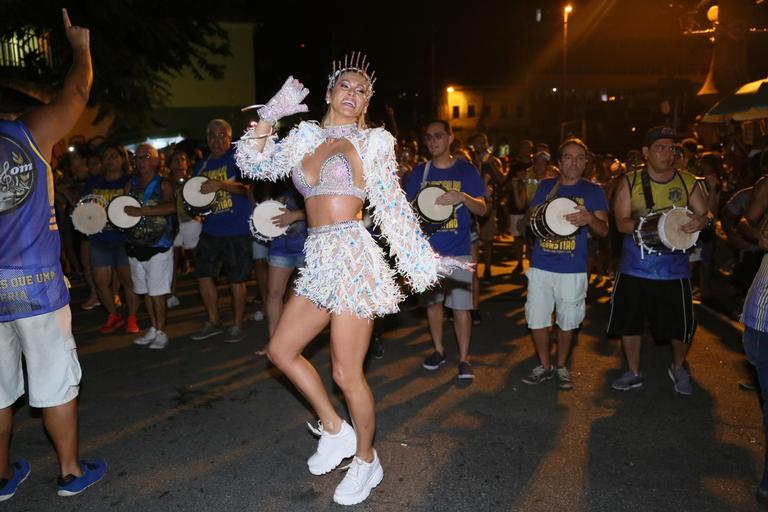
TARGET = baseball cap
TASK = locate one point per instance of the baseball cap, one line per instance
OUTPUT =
(659, 132)
(543, 154)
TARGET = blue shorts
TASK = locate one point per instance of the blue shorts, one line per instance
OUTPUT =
(279, 260)
(108, 255)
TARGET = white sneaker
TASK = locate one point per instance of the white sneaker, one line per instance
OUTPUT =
(360, 479)
(258, 316)
(332, 448)
(160, 341)
(172, 301)
(148, 337)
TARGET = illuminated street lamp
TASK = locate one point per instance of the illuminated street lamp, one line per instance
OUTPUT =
(567, 10)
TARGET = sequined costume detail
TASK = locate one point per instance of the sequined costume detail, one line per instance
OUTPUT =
(390, 211)
(335, 179)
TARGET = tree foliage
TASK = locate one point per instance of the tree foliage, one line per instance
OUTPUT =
(137, 45)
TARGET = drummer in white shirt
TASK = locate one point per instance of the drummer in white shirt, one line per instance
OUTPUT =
(557, 276)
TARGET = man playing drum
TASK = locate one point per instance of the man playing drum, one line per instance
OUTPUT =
(557, 276)
(655, 287)
(465, 191)
(226, 238)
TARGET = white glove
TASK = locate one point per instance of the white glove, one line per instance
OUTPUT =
(286, 102)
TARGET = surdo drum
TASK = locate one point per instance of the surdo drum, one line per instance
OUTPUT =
(659, 232)
(90, 214)
(262, 227)
(116, 212)
(196, 202)
(548, 219)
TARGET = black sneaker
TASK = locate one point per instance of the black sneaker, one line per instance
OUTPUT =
(465, 371)
(434, 361)
(377, 347)
(477, 318)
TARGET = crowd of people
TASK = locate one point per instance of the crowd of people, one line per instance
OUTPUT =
(362, 220)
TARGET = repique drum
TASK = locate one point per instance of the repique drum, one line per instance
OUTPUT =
(90, 214)
(548, 219)
(427, 208)
(116, 212)
(196, 202)
(262, 227)
(659, 232)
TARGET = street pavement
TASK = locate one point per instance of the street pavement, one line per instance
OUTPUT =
(208, 426)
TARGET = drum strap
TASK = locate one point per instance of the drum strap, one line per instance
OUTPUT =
(426, 173)
(553, 193)
(647, 193)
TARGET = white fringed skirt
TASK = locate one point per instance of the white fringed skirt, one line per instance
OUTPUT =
(346, 272)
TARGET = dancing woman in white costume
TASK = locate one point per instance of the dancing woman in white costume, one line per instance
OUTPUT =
(336, 165)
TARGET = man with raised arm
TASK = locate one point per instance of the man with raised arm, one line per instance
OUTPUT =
(35, 319)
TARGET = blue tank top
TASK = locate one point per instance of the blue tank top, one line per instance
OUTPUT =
(664, 266)
(153, 231)
(31, 279)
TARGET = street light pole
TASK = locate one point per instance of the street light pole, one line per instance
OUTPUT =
(568, 9)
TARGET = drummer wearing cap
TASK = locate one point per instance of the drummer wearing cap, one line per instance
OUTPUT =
(557, 277)
(655, 287)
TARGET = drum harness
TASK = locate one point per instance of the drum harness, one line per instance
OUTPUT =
(645, 181)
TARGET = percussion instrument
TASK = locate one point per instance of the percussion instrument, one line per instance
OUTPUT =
(196, 202)
(90, 214)
(659, 232)
(428, 209)
(262, 227)
(116, 212)
(548, 219)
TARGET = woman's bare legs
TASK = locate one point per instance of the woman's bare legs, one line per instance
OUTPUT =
(300, 322)
(350, 337)
(277, 282)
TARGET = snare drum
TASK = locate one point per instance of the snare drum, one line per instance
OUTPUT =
(262, 227)
(196, 202)
(428, 209)
(548, 218)
(659, 232)
(116, 212)
(90, 214)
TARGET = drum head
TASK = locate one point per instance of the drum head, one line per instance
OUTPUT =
(429, 210)
(670, 233)
(116, 212)
(261, 220)
(191, 194)
(89, 218)
(554, 216)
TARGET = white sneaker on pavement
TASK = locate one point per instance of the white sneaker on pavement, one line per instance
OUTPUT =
(332, 448)
(360, 479)
(160, 341)
(172, 301)
(147, 338)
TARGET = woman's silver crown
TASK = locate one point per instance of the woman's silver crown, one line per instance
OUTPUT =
(357, 62)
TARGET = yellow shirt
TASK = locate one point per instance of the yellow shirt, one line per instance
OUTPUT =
(674, 192)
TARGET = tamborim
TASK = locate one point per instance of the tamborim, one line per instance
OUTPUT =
(116, 212)
(548, 218)
(261, 223)
(427, 207)
(659, 232)
(90, 214)
(196, 202)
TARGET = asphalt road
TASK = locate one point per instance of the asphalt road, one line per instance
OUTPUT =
(207, 426)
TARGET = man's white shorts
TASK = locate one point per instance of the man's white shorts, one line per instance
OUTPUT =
(188, 235)
(53, 370)
(550, 291)
(153, 276)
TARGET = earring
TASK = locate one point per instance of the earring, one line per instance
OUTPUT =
(327, 102)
